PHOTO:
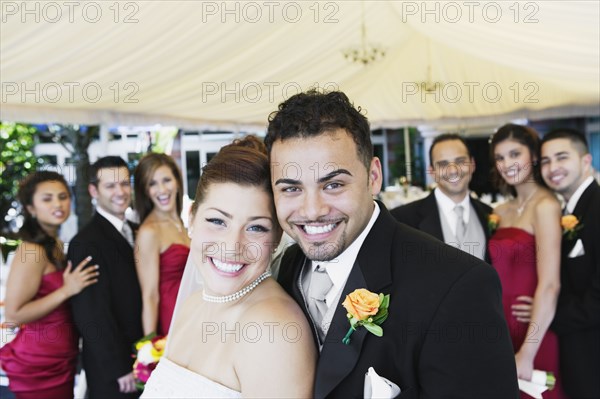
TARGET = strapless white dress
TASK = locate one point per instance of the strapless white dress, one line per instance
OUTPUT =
(170, 380)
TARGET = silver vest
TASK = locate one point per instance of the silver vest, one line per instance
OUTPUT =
(474, 242)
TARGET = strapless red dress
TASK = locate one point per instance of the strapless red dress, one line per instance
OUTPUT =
(513, 254)
(172, 263)
(40, 361)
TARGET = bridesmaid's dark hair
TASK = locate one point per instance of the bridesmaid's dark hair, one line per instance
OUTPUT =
(141, 181)
(524, 135)
(32, 231)
(244, 162)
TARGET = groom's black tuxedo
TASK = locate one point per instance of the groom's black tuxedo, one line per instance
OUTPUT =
(577, 319)
(424, 215)
(445, 336)
(108, 313)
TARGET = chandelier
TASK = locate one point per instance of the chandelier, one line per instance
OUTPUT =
(365, 53)
(429, 85)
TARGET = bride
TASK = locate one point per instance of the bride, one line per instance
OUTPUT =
(236, 333)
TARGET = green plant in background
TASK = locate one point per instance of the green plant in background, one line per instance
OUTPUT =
(17, 160)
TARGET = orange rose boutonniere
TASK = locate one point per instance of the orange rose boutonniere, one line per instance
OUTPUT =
(570, 225)
(366, 309)
(493, 222)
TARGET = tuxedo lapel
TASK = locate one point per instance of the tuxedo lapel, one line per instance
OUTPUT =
(114, 235)
(372, 270)
(584, 201)
(483, 214)
(430, 218)
(567, 246)
(580, 213)
(338, 359)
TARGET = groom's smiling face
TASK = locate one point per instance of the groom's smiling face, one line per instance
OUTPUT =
(323, 192)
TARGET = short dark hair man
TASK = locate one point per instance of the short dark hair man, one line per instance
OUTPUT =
(449, 213)
(108, 316)
(324, 177)
(566, 169)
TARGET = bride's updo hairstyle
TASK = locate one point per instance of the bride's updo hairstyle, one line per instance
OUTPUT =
(244, 162)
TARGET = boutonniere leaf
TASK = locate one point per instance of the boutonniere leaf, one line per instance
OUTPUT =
(570, 226)
(493, 222)
(366, 309)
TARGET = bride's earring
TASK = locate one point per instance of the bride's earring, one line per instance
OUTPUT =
(189, 232)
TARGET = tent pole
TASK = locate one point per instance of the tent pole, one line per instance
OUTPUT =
(407, 156)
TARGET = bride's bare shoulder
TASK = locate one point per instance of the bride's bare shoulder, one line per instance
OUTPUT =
(272, 303)
(276, 335)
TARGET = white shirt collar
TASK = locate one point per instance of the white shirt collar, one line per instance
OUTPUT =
(339, 268)
(115, 221)
(446, 207)
(577, 194)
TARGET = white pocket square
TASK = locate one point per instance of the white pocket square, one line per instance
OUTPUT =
(577, 250)
(379, 387)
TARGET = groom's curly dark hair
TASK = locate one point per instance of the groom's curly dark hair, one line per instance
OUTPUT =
(313, 113)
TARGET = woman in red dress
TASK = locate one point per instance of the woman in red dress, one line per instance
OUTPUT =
(162, 243)
(525, 251)
(40, 361)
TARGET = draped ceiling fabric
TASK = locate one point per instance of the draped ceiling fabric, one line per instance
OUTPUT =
(229, 64)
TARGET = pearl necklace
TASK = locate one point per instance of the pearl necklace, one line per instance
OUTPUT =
(236, 295)
(521, 208)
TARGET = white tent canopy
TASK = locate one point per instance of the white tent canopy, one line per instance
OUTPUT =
(229, 64)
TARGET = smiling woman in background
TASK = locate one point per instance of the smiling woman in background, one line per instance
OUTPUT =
(525, 250)
(162, 244)
(40, 361)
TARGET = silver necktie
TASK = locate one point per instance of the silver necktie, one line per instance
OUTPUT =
(460, 223)
(320, 284)
(127, 233)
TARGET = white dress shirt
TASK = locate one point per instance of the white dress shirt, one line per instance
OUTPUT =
(446, 208)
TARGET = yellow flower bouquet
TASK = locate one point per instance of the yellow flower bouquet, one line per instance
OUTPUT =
(148, 351)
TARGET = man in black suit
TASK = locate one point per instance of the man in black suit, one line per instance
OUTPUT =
(108, 316)
(566, 168)
(445, 336)
(452, 166)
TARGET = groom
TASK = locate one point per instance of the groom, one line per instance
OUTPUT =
(566, 165)
(445, 336)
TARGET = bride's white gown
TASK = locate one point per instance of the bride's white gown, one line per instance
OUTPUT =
(169, 380)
